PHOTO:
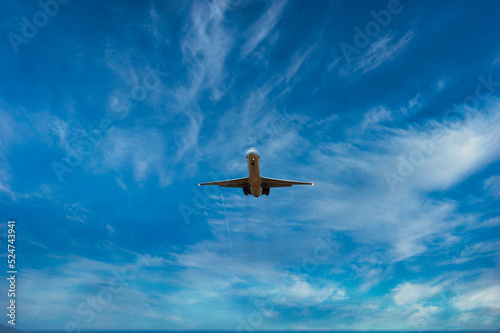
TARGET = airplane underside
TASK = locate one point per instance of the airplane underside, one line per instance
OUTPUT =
(254, 184)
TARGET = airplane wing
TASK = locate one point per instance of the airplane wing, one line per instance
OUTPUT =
(271, 182)
(240, 182)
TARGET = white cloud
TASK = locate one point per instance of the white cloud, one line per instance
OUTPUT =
(441, 84)
(77, 212)
(121, 183)
(211, 270)
(414, 105)
(492, 186)
(110, 229)
(89, 292)
(462, 149)
(442, 155)
(148, 260)
(484, 298)
(497, 60)
(375, 116)
(4, 188)
(205, 46)
(8, 130)
(155, 26)
(297, 62)
(378, 117)
(421, 316)
(409, 293)
(141, 150)
(261, 29)
(478, 250)
(380, 51)
(272, 131)
(17, 126)
(305, 294)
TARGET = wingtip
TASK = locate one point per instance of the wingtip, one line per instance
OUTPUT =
(312, 184)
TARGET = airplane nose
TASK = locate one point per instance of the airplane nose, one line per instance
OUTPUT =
(253, 150)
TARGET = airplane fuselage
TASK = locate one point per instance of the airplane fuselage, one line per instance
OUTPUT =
(254, 177)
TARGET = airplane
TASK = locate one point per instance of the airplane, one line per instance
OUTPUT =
(254, 184)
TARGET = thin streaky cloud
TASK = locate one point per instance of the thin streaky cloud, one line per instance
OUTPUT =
(263, 27)
(379, 52)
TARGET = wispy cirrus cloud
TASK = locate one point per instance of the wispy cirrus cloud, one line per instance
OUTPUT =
(413, 219)
(87, 291)
(205, 45)
(9, 130)
(141, 150)
(375, 116)
(297, 62)
(492, 186)
(242, 276)
(484, 298)
(409, 293)
(263, 27)
(478, 250)
(378, 53)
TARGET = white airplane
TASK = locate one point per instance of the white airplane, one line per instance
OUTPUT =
(254, 184)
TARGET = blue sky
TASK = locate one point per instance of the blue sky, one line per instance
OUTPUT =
(111, 112)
